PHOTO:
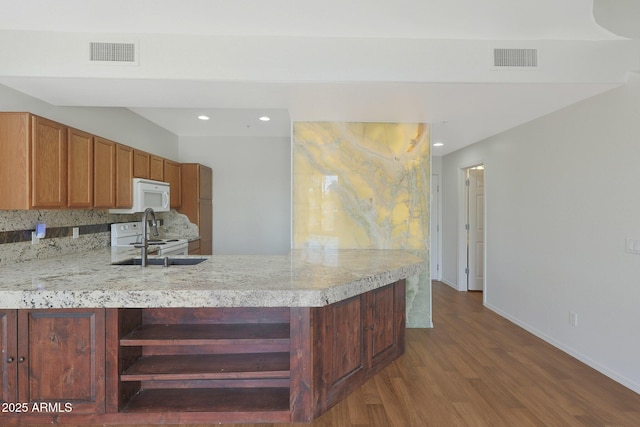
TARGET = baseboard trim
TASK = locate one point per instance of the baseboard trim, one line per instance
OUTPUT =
(570, 351)
(450, 284)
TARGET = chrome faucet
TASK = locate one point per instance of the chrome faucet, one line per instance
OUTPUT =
(144, 245)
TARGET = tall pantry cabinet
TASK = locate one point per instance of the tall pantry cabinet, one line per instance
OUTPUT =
(197, 190)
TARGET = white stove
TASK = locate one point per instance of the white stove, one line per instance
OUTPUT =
(125, 234)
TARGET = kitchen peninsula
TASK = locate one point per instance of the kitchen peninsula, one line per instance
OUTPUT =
(233, 339)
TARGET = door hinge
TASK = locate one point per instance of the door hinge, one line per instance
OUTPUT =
(467, 227)
(467, 183)
(466, 271)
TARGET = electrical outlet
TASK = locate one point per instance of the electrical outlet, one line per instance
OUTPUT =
(632, 246)
(76, 232)
(573, 318)
(34, 238)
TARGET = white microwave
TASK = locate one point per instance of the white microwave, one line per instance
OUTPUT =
(148, 194)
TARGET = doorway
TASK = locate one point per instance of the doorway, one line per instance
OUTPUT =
(474, 227)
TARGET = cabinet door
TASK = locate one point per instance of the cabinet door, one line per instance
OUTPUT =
(206, 182)
(156, 168)
(15, 142)
(190, 187)
(194, 247)
(196, 201)
(104, 173)
(63, 353)
(124, 176)
(385, 317)
(172, 176)
(8, 351)
(140, 164)
(79, 169)
(343, 358)
(206, 227)
(48, 164)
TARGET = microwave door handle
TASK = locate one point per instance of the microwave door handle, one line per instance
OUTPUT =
(165, 200)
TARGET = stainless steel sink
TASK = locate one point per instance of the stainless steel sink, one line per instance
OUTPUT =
(166, 262)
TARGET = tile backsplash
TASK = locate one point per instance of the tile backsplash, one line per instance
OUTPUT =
(16, 227)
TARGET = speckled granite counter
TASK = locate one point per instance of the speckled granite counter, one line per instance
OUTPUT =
(304, 278)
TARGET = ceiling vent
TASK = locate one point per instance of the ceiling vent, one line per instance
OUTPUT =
(121, 53)
(515, 58)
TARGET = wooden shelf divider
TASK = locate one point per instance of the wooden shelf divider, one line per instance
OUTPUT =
(209, 367)
(202, 334)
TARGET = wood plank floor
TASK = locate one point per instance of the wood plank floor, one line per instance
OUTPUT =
(478, 369)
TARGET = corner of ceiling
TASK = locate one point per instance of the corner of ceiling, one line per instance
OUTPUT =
(619, 17)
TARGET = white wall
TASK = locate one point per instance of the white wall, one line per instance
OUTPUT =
(251, 191)
(116, 124)
(562, 195)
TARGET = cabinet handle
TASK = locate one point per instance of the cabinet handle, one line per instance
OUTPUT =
(10, 360)
(20, 359)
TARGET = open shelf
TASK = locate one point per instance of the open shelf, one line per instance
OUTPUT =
(233, 361)
(203, 334)
(209, 367)
(210, 400)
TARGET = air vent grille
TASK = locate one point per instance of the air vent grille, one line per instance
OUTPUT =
(515, 57)
(113, 52)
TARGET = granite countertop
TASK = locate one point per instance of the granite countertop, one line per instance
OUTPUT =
(303, 278)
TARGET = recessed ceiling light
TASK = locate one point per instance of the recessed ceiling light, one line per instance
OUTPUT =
(203, 117)
(265, 119)
(438, 144)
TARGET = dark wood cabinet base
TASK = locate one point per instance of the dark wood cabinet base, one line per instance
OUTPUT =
(235, 365)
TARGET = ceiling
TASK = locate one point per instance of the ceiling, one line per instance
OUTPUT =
(362, 60)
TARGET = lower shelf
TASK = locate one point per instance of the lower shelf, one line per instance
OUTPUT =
(209, 366)
(209, 400)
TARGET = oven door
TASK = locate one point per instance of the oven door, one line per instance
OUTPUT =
(182, 249)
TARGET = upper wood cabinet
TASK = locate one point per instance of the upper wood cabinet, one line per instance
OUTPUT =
(172, 175)
(15, 160)
(48, 164)
(148, 166)
(33, 162)
(156, 168)
(124, 176)
(104, 173)
(141, 164)
(79, 169)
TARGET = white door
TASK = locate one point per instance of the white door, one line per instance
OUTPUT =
(434, 237)
(475, 235)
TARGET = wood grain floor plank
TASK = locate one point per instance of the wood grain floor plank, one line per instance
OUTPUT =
(391, 402)
(357, 408)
